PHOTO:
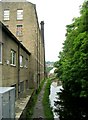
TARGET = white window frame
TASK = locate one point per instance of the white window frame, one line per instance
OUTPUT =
(13, 58)
(0, 53)
(20, 14)
(21, 61)
(6, 14)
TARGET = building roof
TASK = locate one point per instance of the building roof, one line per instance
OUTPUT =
(4, 28)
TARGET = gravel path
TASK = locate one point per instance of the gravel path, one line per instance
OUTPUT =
(38, 109)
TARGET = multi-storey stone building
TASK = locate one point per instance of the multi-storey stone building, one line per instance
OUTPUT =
(14, 63)
(21, 19)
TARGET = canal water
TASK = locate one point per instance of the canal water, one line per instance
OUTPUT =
(53, 94)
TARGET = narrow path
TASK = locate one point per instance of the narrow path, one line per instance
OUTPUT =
(38, 109)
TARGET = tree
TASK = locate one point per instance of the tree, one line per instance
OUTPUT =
(72, 67)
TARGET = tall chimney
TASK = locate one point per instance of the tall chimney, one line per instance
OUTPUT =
(42, 30)
(42, 33)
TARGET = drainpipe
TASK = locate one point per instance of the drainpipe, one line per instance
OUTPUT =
(19, 70)
(37, 59)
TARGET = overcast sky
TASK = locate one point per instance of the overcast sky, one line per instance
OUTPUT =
(56, 15)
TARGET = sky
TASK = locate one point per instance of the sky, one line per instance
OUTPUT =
(56, 14)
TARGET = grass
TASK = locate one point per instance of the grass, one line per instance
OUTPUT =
(46, 102)
(33, 101)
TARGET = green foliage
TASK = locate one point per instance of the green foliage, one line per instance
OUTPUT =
(72, 70)
(71, 108)
(30, 107)
(33, 100)
(46, 102)
(72, 67)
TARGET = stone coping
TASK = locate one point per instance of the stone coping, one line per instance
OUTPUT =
(21, 104)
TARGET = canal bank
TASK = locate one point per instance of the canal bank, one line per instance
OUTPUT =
(44, 105)
(42, 108)
(38, 111)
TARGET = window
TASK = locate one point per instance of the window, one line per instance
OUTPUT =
(20, 14)
(6, 14)
(19, 30)
(13, 57)
(0, 53)
(21, 61)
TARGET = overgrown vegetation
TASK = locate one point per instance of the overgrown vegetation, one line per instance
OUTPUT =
(46, 102)
(72, 69)
(33, 100)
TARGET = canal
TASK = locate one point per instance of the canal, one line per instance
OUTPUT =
(54, 88)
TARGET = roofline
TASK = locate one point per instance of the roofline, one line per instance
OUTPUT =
(36, 16)
(13, 36)
(26, 1)
(30, 2)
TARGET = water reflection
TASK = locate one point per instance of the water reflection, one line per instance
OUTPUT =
(67, 107)
(53, 94)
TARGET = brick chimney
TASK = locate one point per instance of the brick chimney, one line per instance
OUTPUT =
(42, 33)
(42, 30)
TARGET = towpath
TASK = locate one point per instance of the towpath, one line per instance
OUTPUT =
(38, 109)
